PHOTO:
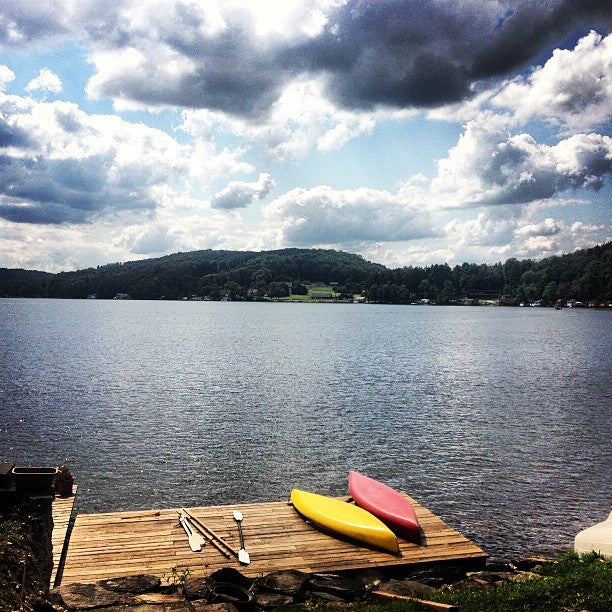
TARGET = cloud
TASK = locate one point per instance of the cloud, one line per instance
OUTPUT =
(240, 194)
(60, 165)
(573, 88)
(322, 215)
(489, 166)
(6, 76)
(547, 227)
(24, 23)
(237, 56)
(525, 29)
(300, 122)
(46, 81)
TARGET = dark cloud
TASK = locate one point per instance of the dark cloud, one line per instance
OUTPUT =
(13, 136)
(399, 53)
(519, 171)
(57, 191)
(22, 23)
(534, 27)
(412, 53)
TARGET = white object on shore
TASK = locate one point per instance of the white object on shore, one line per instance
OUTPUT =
(597, 538)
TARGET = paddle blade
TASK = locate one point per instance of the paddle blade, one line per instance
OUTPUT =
(243, 557)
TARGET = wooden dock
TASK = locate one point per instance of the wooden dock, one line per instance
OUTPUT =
(120, 544)
(61, 510)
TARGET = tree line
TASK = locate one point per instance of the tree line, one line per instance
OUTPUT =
(584, 275)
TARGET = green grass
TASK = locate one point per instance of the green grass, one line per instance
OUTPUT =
(571, 584)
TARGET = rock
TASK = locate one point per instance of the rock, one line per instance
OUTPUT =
(486, 577)
(270, 601)
(437, 576)
(520, 576)
(345, 588)
(142, 583)
(229, 574)
(202, 606)
(197, 588)
(527, 564)
(406, 587)
(87, 596)
(159, 598)
(371, 579)
(323, 596)
(289, 582)
(170, 607)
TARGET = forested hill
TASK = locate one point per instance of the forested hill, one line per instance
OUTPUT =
(236, 275)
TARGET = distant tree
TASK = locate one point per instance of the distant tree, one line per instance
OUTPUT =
(278, 290)
(299, 289)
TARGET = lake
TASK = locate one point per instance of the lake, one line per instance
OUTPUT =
(499, 420)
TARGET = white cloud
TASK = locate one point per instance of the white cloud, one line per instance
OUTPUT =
(66, 166)
(489, 166)
(239, 194)
(573, 88)
(547, 227)
(323, 215)
(45, 81)
(300, 122)
(6, 76)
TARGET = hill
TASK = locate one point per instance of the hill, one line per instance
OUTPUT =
(585, 276)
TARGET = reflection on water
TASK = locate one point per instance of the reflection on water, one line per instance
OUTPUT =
(496, 419)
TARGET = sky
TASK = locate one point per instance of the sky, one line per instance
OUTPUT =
(409, 132)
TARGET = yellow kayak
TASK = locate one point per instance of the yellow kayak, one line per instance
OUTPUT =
(345, 519)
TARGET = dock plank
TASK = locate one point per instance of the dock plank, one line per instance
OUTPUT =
(61, 511)
(119, 544)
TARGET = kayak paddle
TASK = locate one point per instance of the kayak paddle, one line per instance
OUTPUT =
(243, 555)
(196, 541)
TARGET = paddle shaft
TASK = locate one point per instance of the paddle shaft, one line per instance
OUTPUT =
(240, 534)
(196, 541)
(213, 536)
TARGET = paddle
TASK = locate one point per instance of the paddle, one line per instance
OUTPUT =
(208, 532)
(196, 541)
(243, 555)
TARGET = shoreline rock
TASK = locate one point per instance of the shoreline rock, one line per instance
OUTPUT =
(228, 587)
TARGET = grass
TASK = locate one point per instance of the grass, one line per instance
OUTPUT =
(571, 584)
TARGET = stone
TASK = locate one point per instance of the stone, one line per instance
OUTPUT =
(528, 564)
(289, 582)
(437, 575)
(202, 606)
(142, 583)
(371, 579)
(197, 588)
(406, 587)
(271, 601)
(347, 589)
(233, 576)
(85, 596)
(170, 607)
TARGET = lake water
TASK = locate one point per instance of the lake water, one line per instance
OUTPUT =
(499, 420)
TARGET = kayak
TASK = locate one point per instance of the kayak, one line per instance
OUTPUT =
(345, 519)
(389, 505)
(597, 538)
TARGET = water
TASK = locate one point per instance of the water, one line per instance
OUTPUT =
(496, 419)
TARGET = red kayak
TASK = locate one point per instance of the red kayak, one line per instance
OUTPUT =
(389, 505)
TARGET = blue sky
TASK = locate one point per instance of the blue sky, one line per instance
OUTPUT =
(411, 133)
